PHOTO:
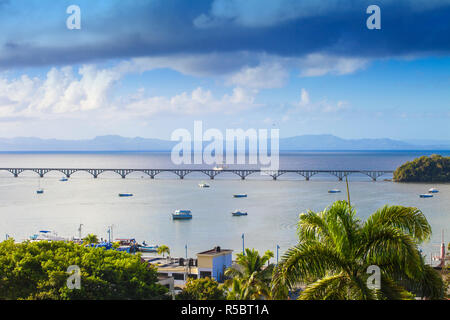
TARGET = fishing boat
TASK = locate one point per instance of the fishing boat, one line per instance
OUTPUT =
(182, 215)
(334, 191)
(203, 185)
(433, 190)
(240, 195)
(63, 179)
(125, 194)
(239, 213)
(426, 195)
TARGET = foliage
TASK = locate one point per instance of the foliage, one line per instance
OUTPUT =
(202, 289)
(37, 270)
(90, 238)
(250, 278)
(163, 249)
(424, 169)
(335, 250)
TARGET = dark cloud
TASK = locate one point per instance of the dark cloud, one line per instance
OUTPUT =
(161, 28)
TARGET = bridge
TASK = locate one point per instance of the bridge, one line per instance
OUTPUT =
(181, 173)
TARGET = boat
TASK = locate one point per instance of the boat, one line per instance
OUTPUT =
(239, 213)
(125, 194)
(220, 167)
(426, 195)
(240, 195)
(203, 185)
(39, 190)
(146, 248)
(182, 215)
(334, 191)
(433, 190)
(63, 179)
(46, 235)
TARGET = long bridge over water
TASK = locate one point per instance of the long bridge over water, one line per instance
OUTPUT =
(181, 173)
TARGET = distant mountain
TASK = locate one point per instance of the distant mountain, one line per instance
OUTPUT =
(330, 142)
(305, 142)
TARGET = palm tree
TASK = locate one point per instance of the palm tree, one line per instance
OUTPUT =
(90, 238)
(163, 250)
(250, 279)
(335, 250)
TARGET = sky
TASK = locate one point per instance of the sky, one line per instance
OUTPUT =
(147, 68)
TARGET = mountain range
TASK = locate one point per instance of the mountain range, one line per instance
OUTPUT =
(297, 143)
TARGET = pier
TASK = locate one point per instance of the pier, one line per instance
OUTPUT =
(181, 173)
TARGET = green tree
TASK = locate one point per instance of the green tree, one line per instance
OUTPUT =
(424, 169)
(201, 289)
(37, 270)
(90, 239)
(163, 250)
(335, 249)
(250, 278)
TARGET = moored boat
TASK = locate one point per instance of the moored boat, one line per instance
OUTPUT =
(239, 213)
(145, 248)
(182, 215)
(426, 195)
(433, 190)
(125, 194)
(203, 185)
(334, 191)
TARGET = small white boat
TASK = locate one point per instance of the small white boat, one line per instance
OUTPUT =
(426, 195)
(125, 194)
(239, 213)
(240, 195)
(433, 190)
(182, 215)
(220, 167)
(334, 191)
(63, 179)
(203, 185)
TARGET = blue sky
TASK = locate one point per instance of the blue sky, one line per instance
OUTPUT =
(146, 68)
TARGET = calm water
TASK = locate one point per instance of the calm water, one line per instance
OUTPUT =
(273, 206)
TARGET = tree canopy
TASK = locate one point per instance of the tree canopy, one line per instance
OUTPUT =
(335, 250)
(435, 168)
(202, 289)
(38, 270)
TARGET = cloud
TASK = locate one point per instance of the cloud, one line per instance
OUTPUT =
(314, 65)
(163, 30)
(262, 76)
(65, 92)
(198, 102)
(305, 105)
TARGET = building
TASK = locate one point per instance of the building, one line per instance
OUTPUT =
(211, 263)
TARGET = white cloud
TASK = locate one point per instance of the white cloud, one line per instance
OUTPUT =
(199, 101)
(316, 64)
(305, 105)
(263, 76)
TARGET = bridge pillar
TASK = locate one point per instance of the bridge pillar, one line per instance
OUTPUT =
(15, 175)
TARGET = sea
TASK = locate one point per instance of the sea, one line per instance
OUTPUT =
(273, 206)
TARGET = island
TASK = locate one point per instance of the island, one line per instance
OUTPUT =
(434, 168)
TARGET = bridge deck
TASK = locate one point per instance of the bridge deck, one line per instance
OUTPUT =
(181, 173)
